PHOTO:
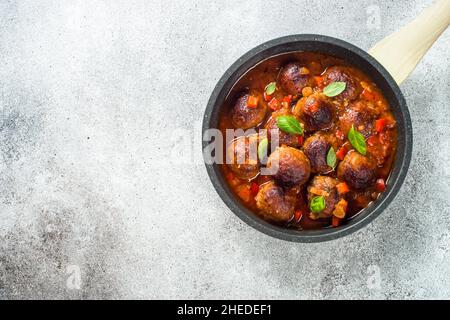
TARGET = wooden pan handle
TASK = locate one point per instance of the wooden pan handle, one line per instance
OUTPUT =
(400, 52)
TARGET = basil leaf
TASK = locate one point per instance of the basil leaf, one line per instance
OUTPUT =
(357, 140)
(262, 149)
(331, 158)
(270, 88)
(317, 204)
(334, 88)
(289, 124)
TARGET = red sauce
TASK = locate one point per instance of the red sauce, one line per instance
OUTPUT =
(372, 118)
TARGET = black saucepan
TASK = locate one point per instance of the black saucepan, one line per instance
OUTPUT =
(357, 58)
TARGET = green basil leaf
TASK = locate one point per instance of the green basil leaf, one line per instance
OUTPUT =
(270, 88)
(289, 124)
(317, 204)
(262, 149)
(331, 158)
(334, 88)
(357, 140)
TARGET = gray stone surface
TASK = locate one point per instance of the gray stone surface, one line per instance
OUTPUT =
(92, 205)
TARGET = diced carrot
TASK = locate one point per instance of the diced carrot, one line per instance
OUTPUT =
(344, 203)
(284, 104)
(252, 102)
(340, 135)
(342, 188)
(287, 99)
(380, 185)
(273, 104)
(335, 221)
(298, 215)
(300, 140)
(380, 124)
(267, 97)
(319, 81)
(254, 188)
(244, 193)
(340, 154)
(372, 140)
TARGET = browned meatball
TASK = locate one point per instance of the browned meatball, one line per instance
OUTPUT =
(242, 156)
(357, 170)
(326, 187)
(294, 77)
(360, 114)
(245, 117)
(291, 140)
(275, 203)
(343, 74)
(291, 166)
(316, 111)
(316, 148)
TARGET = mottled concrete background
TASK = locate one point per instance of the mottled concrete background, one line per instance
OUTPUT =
(91, 205)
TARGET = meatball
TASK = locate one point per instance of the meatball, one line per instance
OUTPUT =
(244, 117)
(275, 203)
(242, 156)
(291, 140)
(316, 148)
(343, 74)
(326, 187)
(360, 114)
(292, 167)
(357, 170)
(316, 111)
(294, 77)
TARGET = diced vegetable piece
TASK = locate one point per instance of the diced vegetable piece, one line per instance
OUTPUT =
(267, 97)
(340, 209)
(252, 102)
(287, 99)
(335, 221)
(342, 188)
(319, 81)
(340, 154)
(380, 185)
(254, 188)
(307, 91)
(304, 71)
(273, 104)
(298, 215)
(244, 192)
(317, 204)
(300, 139)
(380, 124)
